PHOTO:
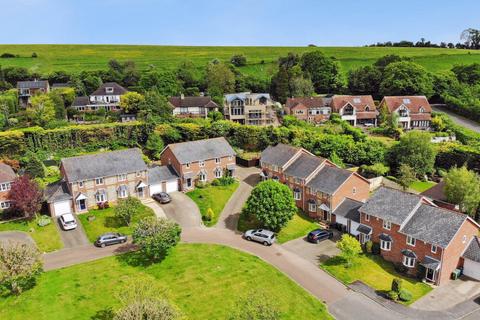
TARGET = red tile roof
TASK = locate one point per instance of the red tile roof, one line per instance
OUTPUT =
(413, 103)
(6, 173)
(358, 102)
(309, 102)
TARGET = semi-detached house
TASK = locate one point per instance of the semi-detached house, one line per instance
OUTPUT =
(321, 189)
(426, 240)
(7, 176)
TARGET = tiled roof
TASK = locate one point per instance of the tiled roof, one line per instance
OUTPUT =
(309, 102)
(358, 102)
(193, 102)
(161, 173)
(349, 209)
(244, 95)
(278, 155)
(104, 164)
(102, 90)
(436, 192)
(303, 166)
(329, 179)
(391, 205)
(473, 250)
(57, 191)
(81, 101)
(6, 173)
(413, 103)
(201, 150)
(34, 84)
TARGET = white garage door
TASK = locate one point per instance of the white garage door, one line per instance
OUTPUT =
(61, 207)
(155, 188)
(471, 269)
(172, 185)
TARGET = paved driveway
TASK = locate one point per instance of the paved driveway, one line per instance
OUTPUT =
(17, 236)
(467, 123)
(73, 238)
(183, 210)
(314, 252)
(155, 206)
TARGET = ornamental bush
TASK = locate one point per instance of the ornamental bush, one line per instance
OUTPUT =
(405, 295)
(397, 284)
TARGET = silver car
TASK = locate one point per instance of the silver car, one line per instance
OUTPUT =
(265, 237)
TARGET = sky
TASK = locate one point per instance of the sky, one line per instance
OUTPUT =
(238, 22)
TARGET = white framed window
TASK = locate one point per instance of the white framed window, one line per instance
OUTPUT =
(230, 158)
(217, 160)
(5, 186)
(218, 173)
(5, 205)
(312, 207)
(411, 241)
(100, 197)
(98, 180)
(408, 262)
(123, 192)
(122, 177)
(385, 245)
(201, 164)
(187, 165)
(387, 225)
(297, 195)
(202, 177)
(354, 190)
(367, 217)
(434, 248)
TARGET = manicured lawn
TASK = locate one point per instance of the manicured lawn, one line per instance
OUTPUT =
(298, 227)
(214, 197)
(105, 221)
(421, 186)
(203, 281)
(375, 272)
(47, 238)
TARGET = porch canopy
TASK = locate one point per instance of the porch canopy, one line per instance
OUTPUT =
(364, 229)
(409, 253)
(324, 207)
(430, 263)
(385, 237)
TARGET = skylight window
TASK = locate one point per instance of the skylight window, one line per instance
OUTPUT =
(406, 101)
(357, 100)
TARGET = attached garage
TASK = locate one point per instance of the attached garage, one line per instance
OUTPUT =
(58, 198)
(62, 207)
(347, 215)
(471, 259)
(162, 179)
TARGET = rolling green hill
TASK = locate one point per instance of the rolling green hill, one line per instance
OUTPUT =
(261, 60)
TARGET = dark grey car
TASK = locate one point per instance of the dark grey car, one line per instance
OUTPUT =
(162, 197)
(110, 238)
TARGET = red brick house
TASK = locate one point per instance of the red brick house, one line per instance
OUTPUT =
(357, 110)
(318, 185)
(7, 175)
(414, 112)
(310, 109)
(426, 240)
(200, 161)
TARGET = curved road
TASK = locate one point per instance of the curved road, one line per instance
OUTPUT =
(458, 119)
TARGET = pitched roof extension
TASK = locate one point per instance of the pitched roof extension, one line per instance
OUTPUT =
(117, 89)
(205, 102)
(349, 209)
(413, 103)
(278, 155)
(329, 179)
(303, 166)
(200, 150)
(161, 173)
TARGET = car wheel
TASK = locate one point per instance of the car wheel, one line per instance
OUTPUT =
(125, 240)
(265, 243)
(249, 238)
(102, 245)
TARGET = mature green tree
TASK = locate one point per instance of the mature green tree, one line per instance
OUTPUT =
(365, 80)
(220, 79)
(469, 74)
(41, 110)
(255, 305)
(406, 78)
(416, 151)
(471, 37)
(188, 75)
(280, 85)
(239, 60)
(384, 61)
(90, 82)
(272, 203)
(20, 264)
(406, 176)
(301, 87)
(33, 166)
(131, 102)
(165, 83)
(155, 105)
(324, 72)
(156, 237)
(25, 196)
(462, 187)
(350, 248)
(154, 145)
(127, 209)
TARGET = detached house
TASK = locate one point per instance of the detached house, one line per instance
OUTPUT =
(256, 109)
(426, 240)
(414, 112)
(200, 161)
(7, 175)
(319, 187)
(192, 107)
(310, 109)
(107, 96)
(27, 89)
(357, 110)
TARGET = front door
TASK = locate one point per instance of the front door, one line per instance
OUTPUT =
(82, 205)
(430, 274)
(326, 215)
(140, 192)
(189, 182)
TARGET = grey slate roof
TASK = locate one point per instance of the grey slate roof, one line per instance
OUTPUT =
(385, 237)
(34, 84)
(434, 225)
(349, 209)
(473, 250)
(206, 102)
(364, 229)
(409, 253)
(278, 155)
(201, 150)
(60, 85)
(103, 164)
(57, 191)
(329, 179)
(431, 263)
(303, 166)
(391, 205)
(161, 173)
(81, 101)
(6, 173)
(117, 89)
(243, 95)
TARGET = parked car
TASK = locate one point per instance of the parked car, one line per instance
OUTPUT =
(266, 237)
(162, 197)
(68, 221)
(107, 239)
(319, 235)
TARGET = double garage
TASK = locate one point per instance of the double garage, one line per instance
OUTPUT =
(162, 179)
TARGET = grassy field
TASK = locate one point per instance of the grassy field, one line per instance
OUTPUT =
(105, 221)
(214, 197)
(203, 281)
(47, 238)
(261, 60)
(375, 272)
(421, 186)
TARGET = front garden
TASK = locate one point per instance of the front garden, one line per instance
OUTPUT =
(46, 237)
(221, 274)
(99, 221)
(374, 271)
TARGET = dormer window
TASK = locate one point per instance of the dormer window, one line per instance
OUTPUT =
(367, 108)
(421, 110)
(109, 89)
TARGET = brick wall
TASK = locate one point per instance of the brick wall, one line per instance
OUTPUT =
(354, 188)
